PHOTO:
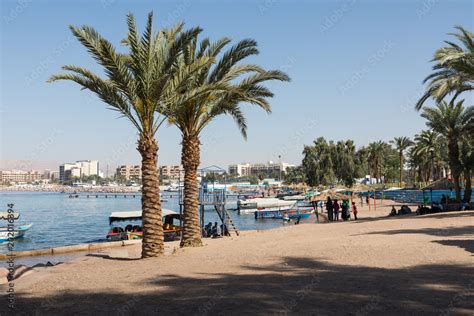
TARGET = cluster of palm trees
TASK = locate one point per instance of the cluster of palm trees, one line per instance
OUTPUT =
(447, 146)
(453, 75)
(172, 76)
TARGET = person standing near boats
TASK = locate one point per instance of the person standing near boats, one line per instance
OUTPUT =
(354, 210)
(329, 208)
(336, 208)
(345, 210)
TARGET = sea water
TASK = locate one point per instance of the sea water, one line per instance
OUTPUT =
(60, 221)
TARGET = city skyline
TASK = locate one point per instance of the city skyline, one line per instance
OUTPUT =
(351, 100)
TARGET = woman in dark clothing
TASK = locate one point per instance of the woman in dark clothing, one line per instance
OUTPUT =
(329, 208)
(336, 208)
(345, 210)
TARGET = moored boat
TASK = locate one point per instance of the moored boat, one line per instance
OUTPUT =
(132, 232)
(286, 214)
(16, 232)
(269, 204)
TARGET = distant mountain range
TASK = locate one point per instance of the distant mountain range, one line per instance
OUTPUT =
(26, 165)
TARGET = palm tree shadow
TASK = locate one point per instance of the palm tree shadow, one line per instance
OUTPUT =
(466, 244)
(294, 285)
(108, 257)
(450, 231)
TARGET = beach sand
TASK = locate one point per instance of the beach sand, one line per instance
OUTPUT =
(377, 265)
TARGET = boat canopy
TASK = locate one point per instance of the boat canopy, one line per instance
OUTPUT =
(134, 215)
(6, 215)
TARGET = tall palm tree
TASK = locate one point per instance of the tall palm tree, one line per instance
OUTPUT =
(452, 120)
(139, 86)
(454, 69)
(231, 89)
(401, 144)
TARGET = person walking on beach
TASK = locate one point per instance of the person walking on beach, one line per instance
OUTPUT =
(354, 210)
(336, 208)
(329, 208)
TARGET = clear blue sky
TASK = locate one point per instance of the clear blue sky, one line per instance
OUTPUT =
(356, 70)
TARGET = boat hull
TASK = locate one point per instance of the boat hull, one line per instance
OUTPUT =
(18, 232)
(246, 211)
(291, 214)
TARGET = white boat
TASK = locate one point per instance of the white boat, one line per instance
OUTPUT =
(294, 197)
(17, 232)
(243, 211)
(251, 205)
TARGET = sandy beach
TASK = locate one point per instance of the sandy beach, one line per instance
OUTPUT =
(377, 265)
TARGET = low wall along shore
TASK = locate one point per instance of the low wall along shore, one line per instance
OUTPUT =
(72, 248)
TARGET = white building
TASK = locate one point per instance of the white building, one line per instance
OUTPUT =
(78, 169)
(247, 169)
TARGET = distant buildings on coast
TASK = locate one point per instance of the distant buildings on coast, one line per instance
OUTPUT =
(129, 172)
(268, 168)
(9, 176)
(76, 171)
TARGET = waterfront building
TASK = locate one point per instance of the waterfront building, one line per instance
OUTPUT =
(247, 169)
(129, 172)
(19, 176)
(78, 169)
(172, 172)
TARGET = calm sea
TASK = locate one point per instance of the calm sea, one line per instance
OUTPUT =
(59, 221)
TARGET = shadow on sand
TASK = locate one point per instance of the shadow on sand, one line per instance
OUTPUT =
(294, 286)
(108, 257)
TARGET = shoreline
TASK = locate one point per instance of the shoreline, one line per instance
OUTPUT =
(84, 247)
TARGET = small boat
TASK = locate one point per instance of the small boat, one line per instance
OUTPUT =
(17, 232)
(285, 215)
(294, 197)
(133, 232)
(270, 204)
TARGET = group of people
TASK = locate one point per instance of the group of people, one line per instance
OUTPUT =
(213, 230)
(334, 209)
(402, 211)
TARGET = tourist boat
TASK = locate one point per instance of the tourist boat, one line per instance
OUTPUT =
(269, 204)
(133, 232)
(287, 214)
(18, 231)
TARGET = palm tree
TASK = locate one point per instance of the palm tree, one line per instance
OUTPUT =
(139, 86)
(377, 151)
(401, 144)
(230, 90)
(452, 120)
(453, 71)
(427, 146)
(467, 160)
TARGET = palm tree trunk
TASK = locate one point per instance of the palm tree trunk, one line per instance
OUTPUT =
(468, 186)
(153, 243)
(401, 168)
(455, 165)
(190, 158)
